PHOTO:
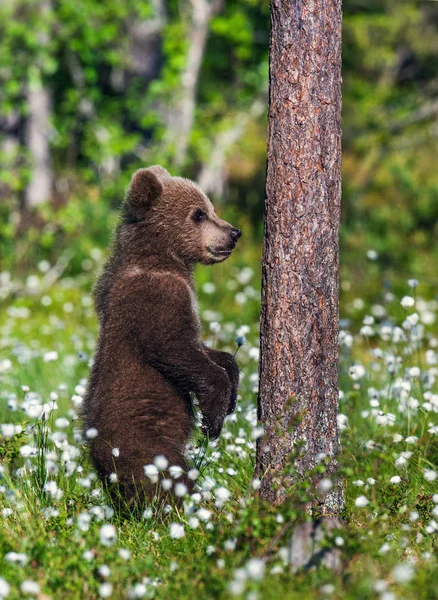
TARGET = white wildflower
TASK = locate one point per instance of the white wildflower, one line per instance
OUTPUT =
(430, 475)
(361, 501)
(5, 588)
(255, 569)
(403, 573)
(176, 531)
(161, 462)
(108, 534)
(30, 588)
(105, 590)
(407, 302)
(50, 356)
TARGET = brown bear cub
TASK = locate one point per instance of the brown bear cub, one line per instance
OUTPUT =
(150, 356)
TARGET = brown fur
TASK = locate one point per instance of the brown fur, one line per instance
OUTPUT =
(150, 356)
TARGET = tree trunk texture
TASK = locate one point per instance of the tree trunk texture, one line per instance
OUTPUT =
(298, 399)
(181, 121)
(38, 129)
(145, 43)
(37, 134)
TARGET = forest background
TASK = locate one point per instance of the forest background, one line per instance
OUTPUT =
(91, 91)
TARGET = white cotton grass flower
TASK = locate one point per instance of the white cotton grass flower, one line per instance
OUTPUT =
(325, 485)
(255, 569)
(139, 590)
(403, 573)
(30, 588)
(27, 451)
(401, 461)
(50, 356)
(91, 433)
(215, 327)
(209, 288)
(176, 531)
(327, 588)
(407, 302)
(180, 489)
(414, 516)
(148, 513)
(254, 353)
(194, 522)
(361, 501)
(430, 475)
(257, 432)
(161, 462)
(411, 439)
(51, 487)
(151, 471)
(115, 452)
(124, 554)
(83, 521)
(175, 471)
(166, 484)
(222, 494)
(19, 558)
(104, 571)
(357, 372)
(108, 535)
(204, 514)
(5, 588)
(193, 474)
(7, 430)
(105, 590)
(395, 479)
(236, 587)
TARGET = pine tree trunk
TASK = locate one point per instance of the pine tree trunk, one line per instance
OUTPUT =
(299, 320)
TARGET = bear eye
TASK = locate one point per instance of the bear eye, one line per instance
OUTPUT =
(199, 215)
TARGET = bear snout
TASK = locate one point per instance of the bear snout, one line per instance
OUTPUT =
(234, 236)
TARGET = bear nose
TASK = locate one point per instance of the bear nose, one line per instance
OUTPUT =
(235, 233)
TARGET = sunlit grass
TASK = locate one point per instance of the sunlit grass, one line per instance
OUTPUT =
(222, 542)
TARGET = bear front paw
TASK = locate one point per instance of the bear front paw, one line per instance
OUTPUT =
(212, 426)
(233, 402)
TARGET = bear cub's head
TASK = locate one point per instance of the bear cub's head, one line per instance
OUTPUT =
(177, 218)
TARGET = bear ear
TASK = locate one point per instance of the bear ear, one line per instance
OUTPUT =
(144, 191)
(159, 171)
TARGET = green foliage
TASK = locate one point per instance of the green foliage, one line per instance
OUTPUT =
(108, 120)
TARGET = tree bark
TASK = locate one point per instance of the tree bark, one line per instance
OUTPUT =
(298, 399)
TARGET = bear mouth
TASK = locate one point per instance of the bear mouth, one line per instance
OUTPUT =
(219, 252)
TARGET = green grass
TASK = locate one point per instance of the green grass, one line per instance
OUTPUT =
(386, 547)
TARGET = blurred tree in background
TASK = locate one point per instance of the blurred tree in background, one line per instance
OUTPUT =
(90, 91)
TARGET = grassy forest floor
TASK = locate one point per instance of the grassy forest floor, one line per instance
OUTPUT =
(60, 539)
